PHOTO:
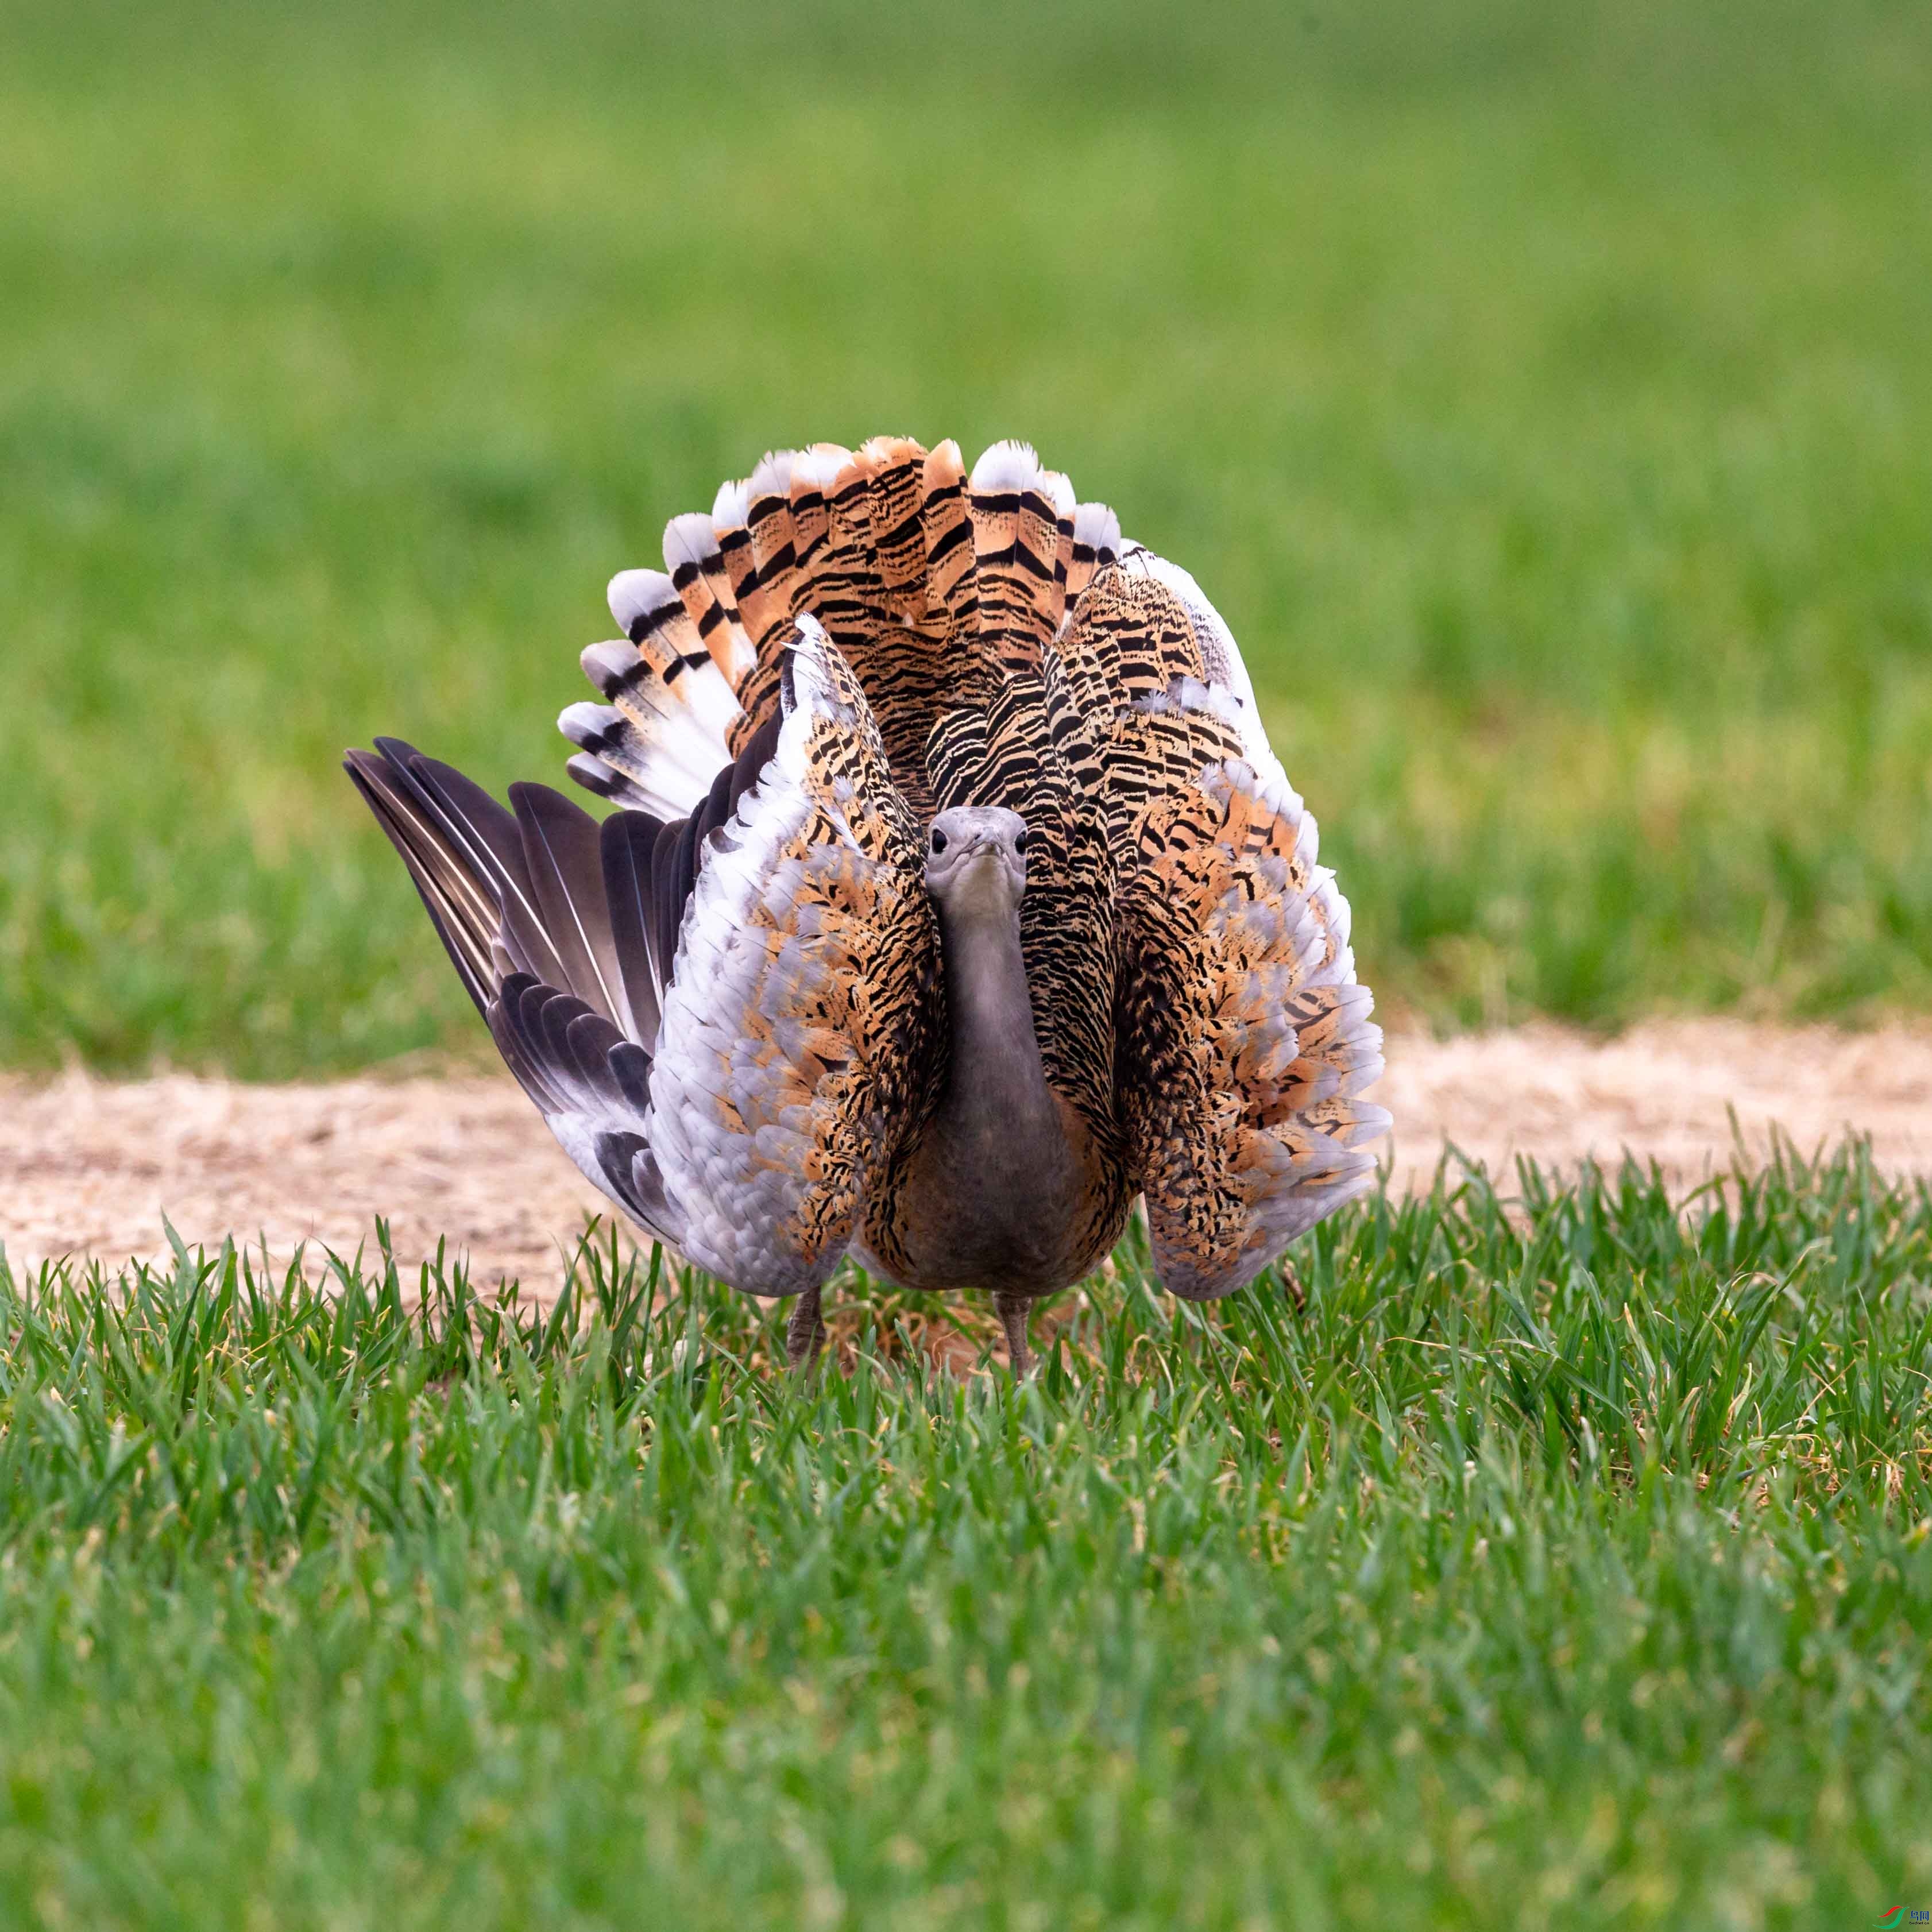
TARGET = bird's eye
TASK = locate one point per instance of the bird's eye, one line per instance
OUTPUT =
(1019, 841)
(938, 840)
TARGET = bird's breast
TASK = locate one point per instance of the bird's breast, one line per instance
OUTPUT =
(1019, 1202)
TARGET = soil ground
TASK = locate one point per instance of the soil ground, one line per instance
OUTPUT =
(88, 1167)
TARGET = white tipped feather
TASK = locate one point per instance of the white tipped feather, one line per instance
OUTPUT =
(1059, 491)
(670, 731)
(772, 476)
(665, 730)
(647, 603)
(661, 760)
(1096, 543)
(662, 796)
(634, 594)
(728, 508)
(607, 665)
(1007, 466)
(692, 555)
(584, 723)
(606, 781)
(690, 539)
(1219, 651)
(1096, 528)
(819, 467)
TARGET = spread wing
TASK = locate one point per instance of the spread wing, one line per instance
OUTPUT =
(1244, 1041)
(537, 908)
(802, 1039)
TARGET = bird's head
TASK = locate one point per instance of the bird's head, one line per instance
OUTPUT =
(976, 860)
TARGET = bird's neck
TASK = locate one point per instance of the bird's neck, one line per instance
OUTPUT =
(997, 1084)
(997, 1193)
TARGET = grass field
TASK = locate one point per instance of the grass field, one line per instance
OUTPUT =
(1543, 393)
(1566, 1568)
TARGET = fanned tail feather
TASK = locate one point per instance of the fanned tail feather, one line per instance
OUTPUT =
(697, 566)
(1096, 544)
(670, 709)
(1022, 519)
(894, 469)
(933, 588)
(948, 527)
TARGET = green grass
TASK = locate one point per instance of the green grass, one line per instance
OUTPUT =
(1542, 392)
(1562, 1564)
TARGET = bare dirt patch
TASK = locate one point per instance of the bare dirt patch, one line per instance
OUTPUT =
(88, 1167)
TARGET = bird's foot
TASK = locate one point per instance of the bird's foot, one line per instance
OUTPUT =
(805, 1333)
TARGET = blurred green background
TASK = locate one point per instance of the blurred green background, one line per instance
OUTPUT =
(1545, 395)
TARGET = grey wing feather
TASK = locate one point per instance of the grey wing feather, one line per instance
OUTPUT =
(625, 844)
(566, 867)
(522, 901)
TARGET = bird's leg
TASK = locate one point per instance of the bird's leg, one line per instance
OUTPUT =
(1013, 1311)
(805, 1336)
(1292, 1281)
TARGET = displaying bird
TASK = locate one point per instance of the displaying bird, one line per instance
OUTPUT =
(954, 899)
